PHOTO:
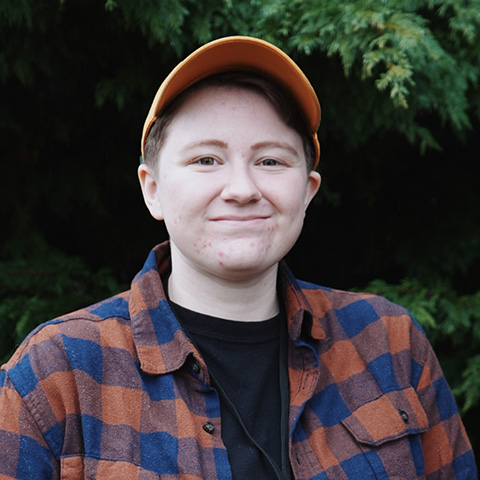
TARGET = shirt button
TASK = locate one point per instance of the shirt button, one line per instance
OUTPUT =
(404, 415)
(195, 367)
(209, 427)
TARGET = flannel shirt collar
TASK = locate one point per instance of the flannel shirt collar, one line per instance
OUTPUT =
(303, 320)
(161, 343)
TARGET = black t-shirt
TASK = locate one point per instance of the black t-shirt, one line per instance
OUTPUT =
(243, 358)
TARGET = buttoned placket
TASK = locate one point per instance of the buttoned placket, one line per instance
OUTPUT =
(208, 426)
(212, 425)
(301, 391)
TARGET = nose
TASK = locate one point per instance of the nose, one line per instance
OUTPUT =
(240, 185)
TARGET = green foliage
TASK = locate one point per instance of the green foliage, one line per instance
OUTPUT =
(400, 58)
(404, 48)
(452, 323)
(158, 21)
(469, 389)
(43, 286)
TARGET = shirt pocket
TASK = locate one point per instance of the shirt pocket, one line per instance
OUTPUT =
(86, 468)
(388, 430)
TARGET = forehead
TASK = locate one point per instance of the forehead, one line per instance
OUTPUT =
(221, 100)
(229, 111)
(211, 91)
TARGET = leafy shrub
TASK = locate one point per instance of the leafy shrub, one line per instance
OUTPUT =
(44, 286)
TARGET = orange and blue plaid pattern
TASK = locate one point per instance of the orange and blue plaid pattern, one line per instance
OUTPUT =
(117, 390)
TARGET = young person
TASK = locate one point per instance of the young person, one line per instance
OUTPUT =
(218, 363)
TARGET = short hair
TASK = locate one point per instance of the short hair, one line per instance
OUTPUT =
(279, 98)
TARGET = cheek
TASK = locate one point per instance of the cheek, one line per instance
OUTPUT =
(175, 216)
(182, 213)
(172, 212)
(292, 205)
(172, 199)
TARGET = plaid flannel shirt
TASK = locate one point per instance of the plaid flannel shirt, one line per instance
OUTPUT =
(117, 391)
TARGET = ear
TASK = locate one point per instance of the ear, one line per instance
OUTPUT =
(150, 189)
(313, 184)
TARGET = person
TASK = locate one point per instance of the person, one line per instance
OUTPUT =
(218, 363)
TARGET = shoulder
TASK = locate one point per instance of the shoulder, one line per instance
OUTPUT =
(77, 339)
(373, 324)
(355, 310)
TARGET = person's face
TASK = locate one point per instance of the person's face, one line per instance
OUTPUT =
(231, 184)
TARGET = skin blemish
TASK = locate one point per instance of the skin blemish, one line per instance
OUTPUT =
(205, 244)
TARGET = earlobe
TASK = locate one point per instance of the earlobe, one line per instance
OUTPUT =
(150, 190)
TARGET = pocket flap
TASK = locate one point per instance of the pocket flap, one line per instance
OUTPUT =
(391, 416)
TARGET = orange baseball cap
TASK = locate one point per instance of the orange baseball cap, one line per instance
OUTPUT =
(239, 53)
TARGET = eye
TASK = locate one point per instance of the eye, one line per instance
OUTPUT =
(269, 162)
(207, 161)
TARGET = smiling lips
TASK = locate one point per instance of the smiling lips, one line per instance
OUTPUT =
(240, 220)
(235, 218)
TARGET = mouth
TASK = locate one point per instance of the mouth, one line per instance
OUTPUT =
(235, 218)
(240, 220)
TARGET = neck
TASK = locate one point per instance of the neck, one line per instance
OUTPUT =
(252, 298)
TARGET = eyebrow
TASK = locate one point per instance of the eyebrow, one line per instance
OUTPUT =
(270, 144)
(207, 143)
(257, 146)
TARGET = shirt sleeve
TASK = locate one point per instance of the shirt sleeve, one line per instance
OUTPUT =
(24, 453)
(446, 448)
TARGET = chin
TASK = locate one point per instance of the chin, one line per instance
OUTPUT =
(248, 262)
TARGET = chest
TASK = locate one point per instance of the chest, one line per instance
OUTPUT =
(168, 426)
